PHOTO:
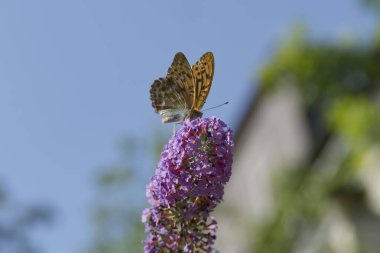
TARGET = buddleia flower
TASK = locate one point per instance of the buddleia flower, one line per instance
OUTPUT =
(188, 184)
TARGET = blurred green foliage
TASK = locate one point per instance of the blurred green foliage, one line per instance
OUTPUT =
(121, 196)
(373, 4)
(17, 222)
(364, 127)
(339, 86)
(324, 72)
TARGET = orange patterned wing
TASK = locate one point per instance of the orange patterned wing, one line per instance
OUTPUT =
(181, 74)
(203, 73)
(169, 100)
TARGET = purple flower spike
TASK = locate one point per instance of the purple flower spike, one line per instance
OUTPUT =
(188, 184)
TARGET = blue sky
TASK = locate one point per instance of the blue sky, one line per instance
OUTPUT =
(75, 78)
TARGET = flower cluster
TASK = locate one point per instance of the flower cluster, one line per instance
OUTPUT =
(188, 184)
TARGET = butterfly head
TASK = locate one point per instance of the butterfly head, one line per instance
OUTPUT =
(196, 114)
(180, 117)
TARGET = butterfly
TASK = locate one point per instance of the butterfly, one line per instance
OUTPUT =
(182, 93)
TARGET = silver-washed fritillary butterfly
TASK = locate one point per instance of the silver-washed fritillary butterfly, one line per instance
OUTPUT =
(182, 93)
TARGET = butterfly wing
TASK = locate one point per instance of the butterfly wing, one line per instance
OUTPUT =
(169, 100)
(203, 73)
(173, 96)
(181, 74)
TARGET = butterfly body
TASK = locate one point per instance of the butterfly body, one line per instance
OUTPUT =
(182, 93)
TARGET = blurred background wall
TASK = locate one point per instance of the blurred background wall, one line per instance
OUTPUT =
(306, 174)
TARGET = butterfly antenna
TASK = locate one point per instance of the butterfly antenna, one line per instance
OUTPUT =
(225, 103)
